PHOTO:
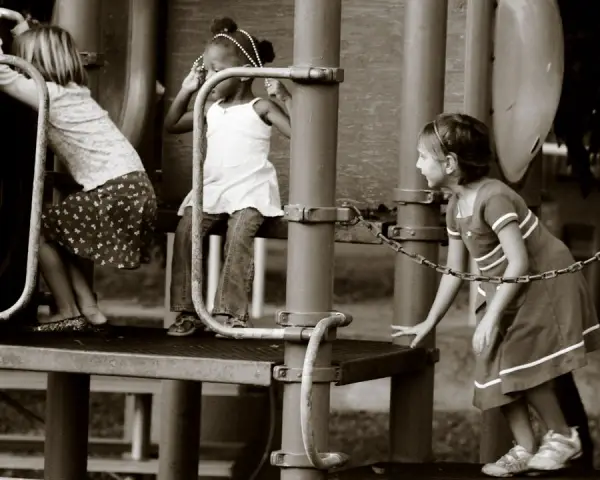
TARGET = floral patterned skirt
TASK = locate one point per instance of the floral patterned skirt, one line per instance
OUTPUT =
(110, 225)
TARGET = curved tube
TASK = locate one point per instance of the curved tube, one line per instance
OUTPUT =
(38, 183)
(140, 78)
(197, 189)
(322, 461)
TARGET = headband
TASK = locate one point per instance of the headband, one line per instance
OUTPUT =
(439, 137)
(258, 62)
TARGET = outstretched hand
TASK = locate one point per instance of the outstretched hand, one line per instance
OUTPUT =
(485, 334)
(277, 89)
(419, 331)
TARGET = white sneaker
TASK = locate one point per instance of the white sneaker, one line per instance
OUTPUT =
(516, 461)
(556, 451)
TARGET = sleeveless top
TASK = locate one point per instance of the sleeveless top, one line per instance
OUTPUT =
(237, 170)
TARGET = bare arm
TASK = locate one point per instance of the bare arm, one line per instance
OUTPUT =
(449, 286)
(514, 248)
(13, 83)
(178, 118)
(277, 117)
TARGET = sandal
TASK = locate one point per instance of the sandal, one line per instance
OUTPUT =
(231, 322)
(187, 324)
(77, 324)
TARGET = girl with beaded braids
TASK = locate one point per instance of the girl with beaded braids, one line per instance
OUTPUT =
(240, 183)
(529, 334)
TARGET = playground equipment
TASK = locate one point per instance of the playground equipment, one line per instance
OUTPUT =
(281, 356)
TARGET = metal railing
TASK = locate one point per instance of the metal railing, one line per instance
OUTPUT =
(38, 184)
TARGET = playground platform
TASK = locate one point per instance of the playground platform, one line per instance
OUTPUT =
(150, 353)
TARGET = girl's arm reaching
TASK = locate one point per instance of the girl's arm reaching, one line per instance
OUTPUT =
(178, 118)
(273, 114)
(11, 82)
(447, 291)
(449, 285)
(513, 245)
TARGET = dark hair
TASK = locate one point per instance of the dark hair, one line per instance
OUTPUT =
(227, 26)
(465, 137)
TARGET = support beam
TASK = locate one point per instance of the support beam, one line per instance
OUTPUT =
(179, 450)
(67, 419)
(422, 97)
(317, 29)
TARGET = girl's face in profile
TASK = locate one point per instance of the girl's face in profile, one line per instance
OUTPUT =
(431, 167)
(217, 58)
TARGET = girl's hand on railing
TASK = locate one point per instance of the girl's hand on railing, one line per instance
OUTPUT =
(11, 15)
(277, 89)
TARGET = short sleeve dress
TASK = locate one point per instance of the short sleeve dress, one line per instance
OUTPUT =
(551, 325)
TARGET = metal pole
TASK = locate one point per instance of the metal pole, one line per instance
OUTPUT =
(411, 404)
(179, 449)
(67, 419)
(317, 31)
(496, 437)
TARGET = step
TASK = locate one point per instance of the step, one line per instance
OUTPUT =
(437, 471)
(21, 380)
(206, 468)
(149, 353)
(21, 443)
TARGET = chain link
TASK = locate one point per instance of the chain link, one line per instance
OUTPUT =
(469, 277)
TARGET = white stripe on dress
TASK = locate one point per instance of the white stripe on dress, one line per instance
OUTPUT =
(524, 366)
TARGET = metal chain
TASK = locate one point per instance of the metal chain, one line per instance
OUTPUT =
(470, 277)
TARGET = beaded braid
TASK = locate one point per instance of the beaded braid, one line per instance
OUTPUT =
(198, 63)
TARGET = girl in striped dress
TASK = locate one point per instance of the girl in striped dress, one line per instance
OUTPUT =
(530, 334)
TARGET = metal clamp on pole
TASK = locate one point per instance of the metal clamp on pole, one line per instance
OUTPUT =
(92, 59)
(421, 234)
(424, 197)
(38, 182)
(304, 214)
(316, 74)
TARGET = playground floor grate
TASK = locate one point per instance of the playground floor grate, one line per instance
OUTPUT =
(440, 471)
(150, 353)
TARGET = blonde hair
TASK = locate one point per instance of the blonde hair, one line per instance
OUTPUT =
(52, 51)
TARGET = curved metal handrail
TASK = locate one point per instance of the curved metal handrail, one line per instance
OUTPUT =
(199, 141)
(38, 183)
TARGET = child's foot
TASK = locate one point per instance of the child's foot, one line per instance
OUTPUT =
(93, 315)
(230, 322)
(515, 462)
(187, 324)
(61, 325)
(556, 451)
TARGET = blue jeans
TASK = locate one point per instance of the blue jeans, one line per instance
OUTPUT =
(235, 282)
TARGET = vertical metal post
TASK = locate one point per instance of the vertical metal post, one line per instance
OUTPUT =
(411, 403)
(179, 449)
(67, 419)
(496, 438)
(317, 30)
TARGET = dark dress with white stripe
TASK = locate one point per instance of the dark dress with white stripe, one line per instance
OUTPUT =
(551, 325)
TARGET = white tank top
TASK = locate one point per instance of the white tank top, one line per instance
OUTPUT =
(237, 170)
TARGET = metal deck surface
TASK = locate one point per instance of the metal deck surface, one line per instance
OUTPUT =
(440, 471)
(150, 353)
